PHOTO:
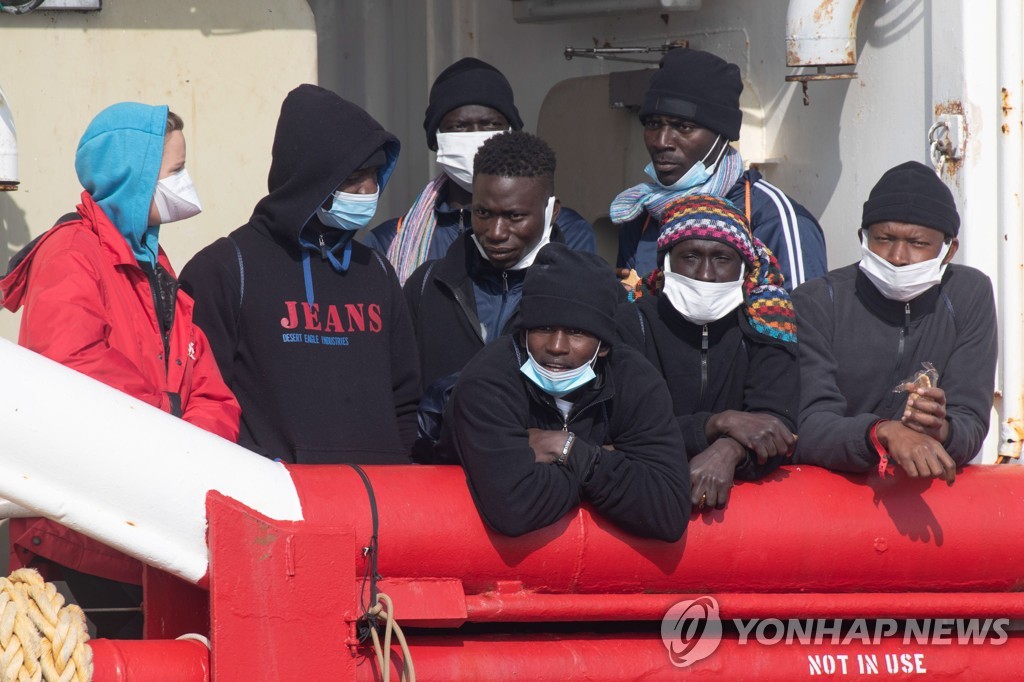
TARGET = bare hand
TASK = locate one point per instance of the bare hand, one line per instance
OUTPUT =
(762, 434)
(926, 413)
(629, 279)
(547, 445)
(712, 471)
(916, 453)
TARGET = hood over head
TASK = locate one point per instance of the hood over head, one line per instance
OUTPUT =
(320, 140)
(118, 162)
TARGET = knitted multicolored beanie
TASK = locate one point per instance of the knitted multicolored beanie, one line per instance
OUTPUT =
(767, 305)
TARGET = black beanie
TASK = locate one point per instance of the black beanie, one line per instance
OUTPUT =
(572, 289)
(699, 87)
(912, 193)
(469, 81)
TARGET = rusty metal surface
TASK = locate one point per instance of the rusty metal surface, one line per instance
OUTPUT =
(952, 166)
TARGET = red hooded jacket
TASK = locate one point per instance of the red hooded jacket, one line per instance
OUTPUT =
(89, 305)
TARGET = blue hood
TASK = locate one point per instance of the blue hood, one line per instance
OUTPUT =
(118, 161)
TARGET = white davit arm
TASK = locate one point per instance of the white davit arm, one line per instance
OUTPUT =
(120, 471)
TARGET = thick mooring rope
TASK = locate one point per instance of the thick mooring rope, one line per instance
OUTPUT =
(384, 612)
(40, 637)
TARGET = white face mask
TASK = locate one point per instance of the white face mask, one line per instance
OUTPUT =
(455, 153)
(176, 198)
(545, 238)
(702, 302)
(902, 283)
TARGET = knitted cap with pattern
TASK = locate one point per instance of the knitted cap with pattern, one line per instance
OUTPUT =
(766, 303)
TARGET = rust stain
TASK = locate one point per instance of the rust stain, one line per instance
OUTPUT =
(1007, 107)
(824, 11)
(1012, 437)
(130, 523)
(1005, 129)
(792, 56)
(1018, 428)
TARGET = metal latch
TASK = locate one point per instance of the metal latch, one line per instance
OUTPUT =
(947, 139)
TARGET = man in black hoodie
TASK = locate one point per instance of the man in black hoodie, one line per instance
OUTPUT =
(309, 327)
(557, 413)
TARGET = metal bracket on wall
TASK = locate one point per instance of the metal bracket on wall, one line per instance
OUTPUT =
(615, 54)
(946, 140)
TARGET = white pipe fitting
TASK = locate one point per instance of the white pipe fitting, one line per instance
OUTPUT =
(822, 33)
(120, 471)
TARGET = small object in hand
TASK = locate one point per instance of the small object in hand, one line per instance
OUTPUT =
(703, 501)
(632, 279)
(632, 284)
(923, 378)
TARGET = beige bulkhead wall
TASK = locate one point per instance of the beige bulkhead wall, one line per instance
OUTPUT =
(224, 66)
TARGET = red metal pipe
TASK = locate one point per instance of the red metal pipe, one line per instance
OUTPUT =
(599, 658)
(150, 661)
(803, 529)
(539, 608)
(596, 658)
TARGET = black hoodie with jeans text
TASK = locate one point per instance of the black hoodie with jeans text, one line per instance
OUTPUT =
(320, 352)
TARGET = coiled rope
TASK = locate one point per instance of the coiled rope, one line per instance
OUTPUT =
(41, 637)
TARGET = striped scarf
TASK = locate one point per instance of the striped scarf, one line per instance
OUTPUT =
(409, 248)
(654, 197)
(766, 303)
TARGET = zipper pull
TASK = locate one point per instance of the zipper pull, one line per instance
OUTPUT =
(704, 338)
(504, 280)
(323, 247)
(906, 315)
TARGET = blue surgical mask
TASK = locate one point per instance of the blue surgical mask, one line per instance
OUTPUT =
(695, 176)
(557, 384)
(349, 211)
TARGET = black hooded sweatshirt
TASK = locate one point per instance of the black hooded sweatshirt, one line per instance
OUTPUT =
(331, 380)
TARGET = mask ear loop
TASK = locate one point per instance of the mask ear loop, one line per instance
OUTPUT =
(714, 166)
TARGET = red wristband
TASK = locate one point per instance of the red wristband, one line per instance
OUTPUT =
(884, 467)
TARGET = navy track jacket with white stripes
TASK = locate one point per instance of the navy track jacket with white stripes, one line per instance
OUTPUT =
(786, 227)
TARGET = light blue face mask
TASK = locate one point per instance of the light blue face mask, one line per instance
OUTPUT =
(349, 211)
(557, 384)
(695, 176)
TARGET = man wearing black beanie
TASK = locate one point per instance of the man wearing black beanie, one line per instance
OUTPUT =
(469, 102)
(690, 113)
(898, 351)
(559, 414)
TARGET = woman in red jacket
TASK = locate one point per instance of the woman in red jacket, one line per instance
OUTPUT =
(99, 296)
